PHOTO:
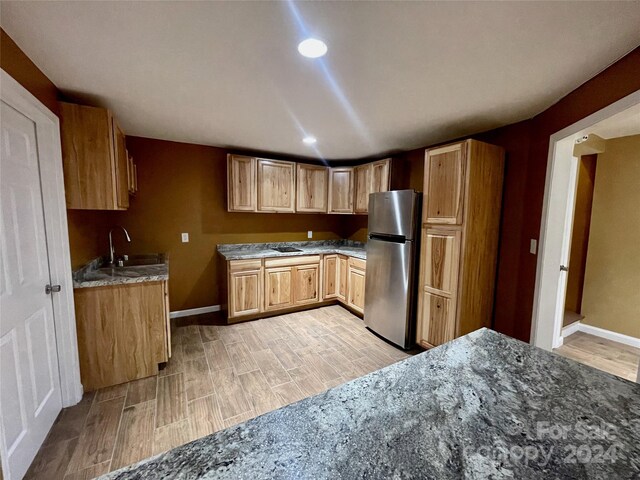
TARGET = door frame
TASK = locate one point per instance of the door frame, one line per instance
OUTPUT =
(57, 233)
(556, 225)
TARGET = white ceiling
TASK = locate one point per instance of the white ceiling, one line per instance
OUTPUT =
(398, 75)
(622, 124)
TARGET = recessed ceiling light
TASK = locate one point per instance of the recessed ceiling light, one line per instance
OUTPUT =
(309, 140)
(312, 48)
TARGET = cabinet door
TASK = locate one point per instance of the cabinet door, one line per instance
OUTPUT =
(88, 157)
(278, 288)
(121, 167)
(306, 284)
(342, 278)
(245, 292)
(312, 186)
(276, 186)
(331, 273)
(436, 324)
(341, 190)
(444, 184)
(440, 260)
(380, 176)
(241, 184)
(355, 289)
(362, 181)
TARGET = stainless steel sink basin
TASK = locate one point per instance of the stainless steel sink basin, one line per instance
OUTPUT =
(286, 249)
(133, 261)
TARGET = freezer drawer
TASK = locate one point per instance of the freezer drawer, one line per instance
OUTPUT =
(388, 295)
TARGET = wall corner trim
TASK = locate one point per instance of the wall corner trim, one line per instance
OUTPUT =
(600, 332)
(195, 311)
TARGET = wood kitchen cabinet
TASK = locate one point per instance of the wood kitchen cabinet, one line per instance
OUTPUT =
(278, 288)
(276, 186)
(341, 181)
(461, 217)
(241, 184)
(362, 181)
(312, 185)
(444, 182)
(370, 178)
(331, 278)
(245, 288)
(123, 332)
(343, 271)
(279, 284)
(95, 161)
(356, 283)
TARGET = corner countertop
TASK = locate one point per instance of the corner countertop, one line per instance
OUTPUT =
(92, 276)
(246, 251)
(482, 406)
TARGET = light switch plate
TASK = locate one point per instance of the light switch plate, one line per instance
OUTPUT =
(533, 246)
(185, 238)
(309, 234)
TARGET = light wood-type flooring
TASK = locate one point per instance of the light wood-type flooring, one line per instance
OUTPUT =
(612, 357)
(218, 376)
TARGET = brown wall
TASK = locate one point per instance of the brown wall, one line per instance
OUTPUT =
(611, 297)
(21, 68)
(183, 189)
(580, 234)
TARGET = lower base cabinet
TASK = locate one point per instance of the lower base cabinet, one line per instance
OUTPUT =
(438, 320)
(282, 283)
(355, 284)
(123, 332)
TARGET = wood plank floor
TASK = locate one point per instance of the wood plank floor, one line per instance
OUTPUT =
(218, 376)
(612, 357)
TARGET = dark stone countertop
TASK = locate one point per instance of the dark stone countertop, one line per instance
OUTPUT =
(91, 275)
(245, 251)
(482, 406)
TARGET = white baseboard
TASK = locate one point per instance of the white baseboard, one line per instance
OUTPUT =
(600, 332)
(194, 311)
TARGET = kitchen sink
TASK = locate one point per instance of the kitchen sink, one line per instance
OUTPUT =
(145, 260)
(286, 249)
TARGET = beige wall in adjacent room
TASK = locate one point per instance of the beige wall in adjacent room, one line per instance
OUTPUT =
(611, 298)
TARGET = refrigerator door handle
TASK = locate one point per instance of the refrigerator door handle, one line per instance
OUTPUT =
(388, 237)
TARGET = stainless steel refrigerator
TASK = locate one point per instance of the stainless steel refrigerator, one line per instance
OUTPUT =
(391, 265)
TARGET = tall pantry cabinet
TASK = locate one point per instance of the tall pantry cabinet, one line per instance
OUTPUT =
(460, 228)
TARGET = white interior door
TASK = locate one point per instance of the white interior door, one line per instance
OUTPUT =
(30, 397)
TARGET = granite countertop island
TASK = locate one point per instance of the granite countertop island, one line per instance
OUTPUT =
(93, 275)
(482, 406)
(245, 251)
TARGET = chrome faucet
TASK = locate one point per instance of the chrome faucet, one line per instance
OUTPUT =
(111, 250)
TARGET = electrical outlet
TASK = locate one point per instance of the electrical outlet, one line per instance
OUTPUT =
(309, 234)
(533, 246)
(185, 238)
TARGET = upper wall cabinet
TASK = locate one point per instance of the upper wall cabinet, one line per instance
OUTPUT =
(241, 184)
(341, 190)
(444, 180)
(267, 186)
(276, 186)
(312, 183)
(370, 178)
(95, 159)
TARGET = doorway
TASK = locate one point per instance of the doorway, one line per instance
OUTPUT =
(565, 230)
(38, 350)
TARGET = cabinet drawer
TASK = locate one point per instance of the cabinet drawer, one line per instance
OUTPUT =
(358, 263)
(286, 261)
(240, 265)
